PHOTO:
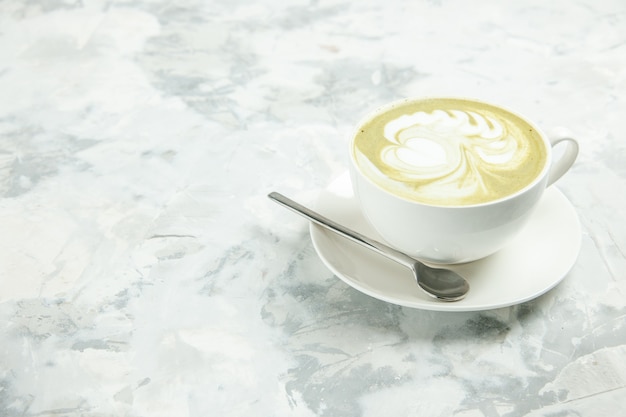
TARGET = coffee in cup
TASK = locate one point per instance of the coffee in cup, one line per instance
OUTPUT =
(451, 180)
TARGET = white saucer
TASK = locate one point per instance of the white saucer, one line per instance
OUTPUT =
(535, 262)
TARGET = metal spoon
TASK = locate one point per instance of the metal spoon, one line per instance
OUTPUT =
(442, 284)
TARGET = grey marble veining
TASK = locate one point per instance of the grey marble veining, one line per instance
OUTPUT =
(143, 271)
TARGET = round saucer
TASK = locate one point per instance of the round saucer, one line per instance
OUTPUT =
(535, 262)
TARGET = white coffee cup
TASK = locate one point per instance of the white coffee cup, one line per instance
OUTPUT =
(456, 233)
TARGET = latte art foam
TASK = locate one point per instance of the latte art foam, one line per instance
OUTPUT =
(449, 152)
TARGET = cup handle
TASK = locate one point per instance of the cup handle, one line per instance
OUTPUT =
(564, 162)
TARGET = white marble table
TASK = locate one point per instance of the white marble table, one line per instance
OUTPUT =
(143, 271)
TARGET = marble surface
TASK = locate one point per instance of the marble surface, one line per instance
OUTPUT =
(143, 271)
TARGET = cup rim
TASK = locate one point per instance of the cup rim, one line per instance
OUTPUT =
(541, 177)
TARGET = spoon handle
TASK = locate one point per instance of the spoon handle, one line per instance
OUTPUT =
(354, 236)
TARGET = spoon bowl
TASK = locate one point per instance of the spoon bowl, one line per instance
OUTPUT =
(442, 284)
